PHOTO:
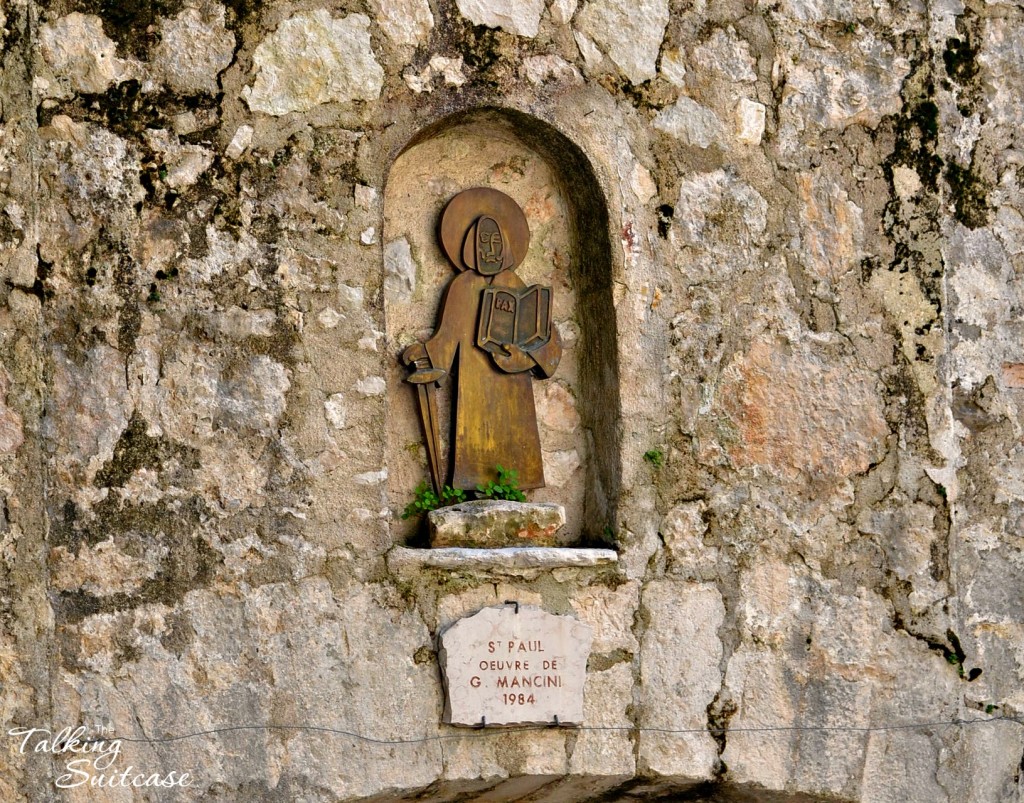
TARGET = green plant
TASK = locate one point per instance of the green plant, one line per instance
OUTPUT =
(507, 487)
(452, 496)
(655, 457)
(425, 500)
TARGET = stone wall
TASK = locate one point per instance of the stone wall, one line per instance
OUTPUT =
(796, 409)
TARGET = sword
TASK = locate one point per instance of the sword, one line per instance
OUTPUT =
(425, 378)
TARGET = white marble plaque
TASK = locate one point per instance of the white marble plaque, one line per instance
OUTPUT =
(506, 668)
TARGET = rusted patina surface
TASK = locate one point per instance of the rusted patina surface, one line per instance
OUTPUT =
(493, 334)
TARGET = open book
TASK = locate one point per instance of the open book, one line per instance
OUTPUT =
(508, 316)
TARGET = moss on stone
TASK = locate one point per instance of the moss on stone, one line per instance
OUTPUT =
(244, 9)
(599, 662)
(916, 133)
(190, 562)
(970, 195)
(136, 449)
(485, 51)
(129, 319)
(128, 22)
(960, 58)
(651, 94)
(127, 111)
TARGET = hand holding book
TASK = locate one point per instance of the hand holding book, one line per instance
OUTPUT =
(513, 360)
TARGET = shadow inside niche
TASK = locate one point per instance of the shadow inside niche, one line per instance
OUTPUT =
(579, 407)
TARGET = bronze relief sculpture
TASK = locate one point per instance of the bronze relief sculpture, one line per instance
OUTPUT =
(493, 335)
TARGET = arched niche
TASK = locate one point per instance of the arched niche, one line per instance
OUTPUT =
(570, 250)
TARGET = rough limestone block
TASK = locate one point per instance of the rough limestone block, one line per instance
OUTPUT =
(750, 119)
(494, 523)
(314, 58)
(404, 22)
(690, 122)
(629, 33)
(521, 17)
(680, 655)
(76, 48)
(194, 49)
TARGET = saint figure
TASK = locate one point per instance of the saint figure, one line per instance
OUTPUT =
(493, 336)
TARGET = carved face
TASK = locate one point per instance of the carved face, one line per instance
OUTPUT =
(490, 256)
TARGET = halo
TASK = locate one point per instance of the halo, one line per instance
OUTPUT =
(464, 209)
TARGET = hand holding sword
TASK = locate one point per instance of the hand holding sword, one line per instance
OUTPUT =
(426, 378)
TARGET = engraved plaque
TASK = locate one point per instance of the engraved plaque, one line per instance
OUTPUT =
(501, 667)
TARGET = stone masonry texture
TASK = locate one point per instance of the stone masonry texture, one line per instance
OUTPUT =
(792, 396)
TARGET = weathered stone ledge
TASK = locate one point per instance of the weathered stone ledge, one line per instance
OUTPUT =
(496, 524)
(507, 560)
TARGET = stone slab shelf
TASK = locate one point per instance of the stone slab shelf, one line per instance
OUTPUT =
(514, 561)
(496, 523)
